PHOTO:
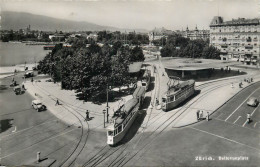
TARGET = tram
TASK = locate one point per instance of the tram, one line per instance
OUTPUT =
(124, 117)
(177, 94)
(146, 79)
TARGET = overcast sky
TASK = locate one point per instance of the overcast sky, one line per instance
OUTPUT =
(144, 14)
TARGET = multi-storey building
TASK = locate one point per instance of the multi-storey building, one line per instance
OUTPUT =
(237, 39)
(158, 33)
(195, 34)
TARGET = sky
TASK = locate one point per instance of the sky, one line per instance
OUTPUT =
(139, 14)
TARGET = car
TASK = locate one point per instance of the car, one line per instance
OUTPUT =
(18, 90)
(28, 74)
(252, 101)
(37, 105)
(49, 80)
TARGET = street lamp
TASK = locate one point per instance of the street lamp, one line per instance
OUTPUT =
(104, 112)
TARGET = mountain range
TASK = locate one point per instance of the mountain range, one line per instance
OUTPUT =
(21, 20)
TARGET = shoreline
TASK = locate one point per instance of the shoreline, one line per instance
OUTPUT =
(6, 71)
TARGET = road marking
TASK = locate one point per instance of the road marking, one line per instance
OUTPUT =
(37, 143)
(240, 105)
(255, 124)
(254, 110)
(219, 115)
(27, 128)
(245, 123)
(225, 138)
(237, 119)
(237, 125)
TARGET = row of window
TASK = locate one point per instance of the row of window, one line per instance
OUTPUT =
(180, 94)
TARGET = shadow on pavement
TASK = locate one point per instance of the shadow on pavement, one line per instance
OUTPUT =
(196, 93)
(151, 87)
(3, 87)
(5, 124)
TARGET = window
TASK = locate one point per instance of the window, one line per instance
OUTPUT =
(119, 128)
(110, 133)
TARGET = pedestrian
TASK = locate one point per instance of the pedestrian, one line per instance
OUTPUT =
(248, 118)
(157, 101)
(57, 102)
(251, 79)
(87, 115)
(201, 114)
(13, 79)
(240, 85)
(207, 116)
(23, 87)
(198, 115)
(32, 80)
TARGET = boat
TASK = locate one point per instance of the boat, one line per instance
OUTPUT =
(177, 94)
(124, 117)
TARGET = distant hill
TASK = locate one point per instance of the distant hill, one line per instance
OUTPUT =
(20, 20)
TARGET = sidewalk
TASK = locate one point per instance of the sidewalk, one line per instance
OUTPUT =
(48, 93)
(209, 102)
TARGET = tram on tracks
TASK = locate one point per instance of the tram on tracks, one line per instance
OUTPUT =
(177, 94)
(124, 117)
(146, 79)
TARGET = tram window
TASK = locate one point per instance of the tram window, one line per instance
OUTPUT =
(143, 84)
(115, 132)
(119, 128)
(163, 100)
(172, 98)
(110, 133)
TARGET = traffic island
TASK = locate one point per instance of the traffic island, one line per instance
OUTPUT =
(43, 162)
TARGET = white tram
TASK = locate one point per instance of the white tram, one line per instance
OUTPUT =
(146, 79)
(177, 94)
(124, 117)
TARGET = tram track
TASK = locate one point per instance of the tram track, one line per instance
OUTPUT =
(167, 123)
(66, 160)
(122, 161)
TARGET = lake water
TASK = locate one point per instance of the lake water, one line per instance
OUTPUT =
(19, 53)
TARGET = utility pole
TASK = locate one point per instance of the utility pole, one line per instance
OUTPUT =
(107, 102)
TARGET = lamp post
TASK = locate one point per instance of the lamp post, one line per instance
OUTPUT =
(107, 101)
(104, 112)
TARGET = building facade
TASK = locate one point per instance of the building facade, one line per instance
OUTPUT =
(237, 40)
(158, 33)
(195, 34)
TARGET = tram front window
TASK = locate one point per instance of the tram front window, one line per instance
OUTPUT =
(143, 84)
(110, 133)
(164, 100)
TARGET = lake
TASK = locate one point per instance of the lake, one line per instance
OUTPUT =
(19, 53)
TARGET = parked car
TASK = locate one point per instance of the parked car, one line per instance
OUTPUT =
(49, 80)
(252, 101)
(37, 105)
(28, 74)
(18, 90)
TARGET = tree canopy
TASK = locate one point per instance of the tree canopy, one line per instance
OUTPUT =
(90, 69)
(178, 46)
